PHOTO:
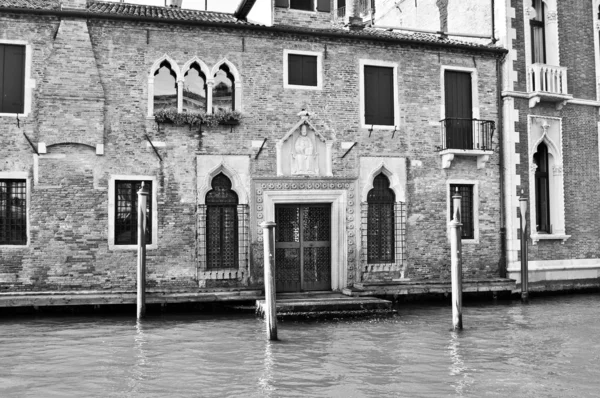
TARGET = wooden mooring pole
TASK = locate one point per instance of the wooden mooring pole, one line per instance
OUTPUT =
(456, 263)
(141, 258)
(524, 264)
(269, 266)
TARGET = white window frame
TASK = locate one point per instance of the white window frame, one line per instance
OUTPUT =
(29, 82)
(317, 54)
(112, 206)
(386, 64)
(20, 175)
(474, 89)
(475, 185)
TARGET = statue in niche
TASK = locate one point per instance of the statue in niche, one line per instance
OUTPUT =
(304, 155)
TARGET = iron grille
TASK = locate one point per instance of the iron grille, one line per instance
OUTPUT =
(394, 218)
(469, 134)
(13, 212)
(126, 212)
(237, 260)
(380, 221)
(466, 209)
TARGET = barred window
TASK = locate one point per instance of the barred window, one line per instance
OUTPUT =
(221, 224)
(466, 209)
(380, 221)
(13, 212)
(126, 212)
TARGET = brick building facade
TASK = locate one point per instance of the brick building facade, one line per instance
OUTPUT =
(358, 182)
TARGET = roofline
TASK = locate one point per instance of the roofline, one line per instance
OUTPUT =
(497, 51)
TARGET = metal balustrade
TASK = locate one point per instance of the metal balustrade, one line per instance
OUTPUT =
(467, 134)
(339, 15)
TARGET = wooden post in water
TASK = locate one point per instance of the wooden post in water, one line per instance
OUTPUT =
(456, 263)
(141, 258)
(269, 266)
(524, 264)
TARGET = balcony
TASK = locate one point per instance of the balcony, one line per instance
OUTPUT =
(466, 137)
(338, 16)
(547, 83)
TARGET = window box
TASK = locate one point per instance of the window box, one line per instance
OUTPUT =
(170, 115)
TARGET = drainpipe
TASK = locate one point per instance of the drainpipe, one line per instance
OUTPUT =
(494, 40)
(500, 102)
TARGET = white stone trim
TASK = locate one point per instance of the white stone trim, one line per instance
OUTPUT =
(29, 82)
(20, 175)
(595, 6)
(555, 180)
(112, 205)
(546, 270)
(361, 74)
(317, 54)
(339, 239)
(393, 168)
(236, 168)
(475, 185)
(474, 88)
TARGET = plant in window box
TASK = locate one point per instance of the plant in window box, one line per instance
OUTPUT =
(170, 115)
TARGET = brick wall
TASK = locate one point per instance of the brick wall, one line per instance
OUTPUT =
(69, 216)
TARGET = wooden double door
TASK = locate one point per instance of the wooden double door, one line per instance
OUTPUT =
(303, 247)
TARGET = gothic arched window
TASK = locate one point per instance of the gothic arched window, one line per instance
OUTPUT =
(224, 90)
(542, 189)
(221, 224)
(194, 89)
(380, 222)
(165, 87)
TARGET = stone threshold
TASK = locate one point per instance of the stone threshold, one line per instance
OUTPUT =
(423, 287)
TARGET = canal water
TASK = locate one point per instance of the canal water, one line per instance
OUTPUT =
(549, 348)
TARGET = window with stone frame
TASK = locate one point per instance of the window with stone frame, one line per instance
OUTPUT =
(223, 93)
(542, 189)
(165, 87)
(194, 89)
(467, 208)
(538, 33)
(13, 212)
(381, 222)
(222, 246)
(378, 88)
(12, 78)
(126, 204)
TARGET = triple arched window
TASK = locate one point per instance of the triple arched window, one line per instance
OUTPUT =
(194, 87)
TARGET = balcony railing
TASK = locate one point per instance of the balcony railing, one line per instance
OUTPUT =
(365, 7)
(547, 78)
(467, 134)
(339, 15)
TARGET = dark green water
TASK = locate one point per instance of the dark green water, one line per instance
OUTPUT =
(549, 348)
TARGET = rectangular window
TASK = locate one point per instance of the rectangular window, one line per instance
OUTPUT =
(13, 212)
(379, 95)
(466, 209)
(306, 5)
(538, 33)
(12, 78)
(302, 70)
(126, 212)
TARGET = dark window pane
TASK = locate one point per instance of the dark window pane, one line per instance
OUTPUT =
(302, 70)
(13, 212)
(324, 5)
(12, 79)
(381, 222)
(542, 189)
(379, 95)
(282, 3)
(126, 212)
(306, 5)
(466, 209)
(538, 33)
(221, 224)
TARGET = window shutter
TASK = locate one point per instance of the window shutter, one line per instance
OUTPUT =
(13, 79)
(294, 69)
(324, 5)
(386, 97)
(309, 71)
(371, 103)
(282, 3)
